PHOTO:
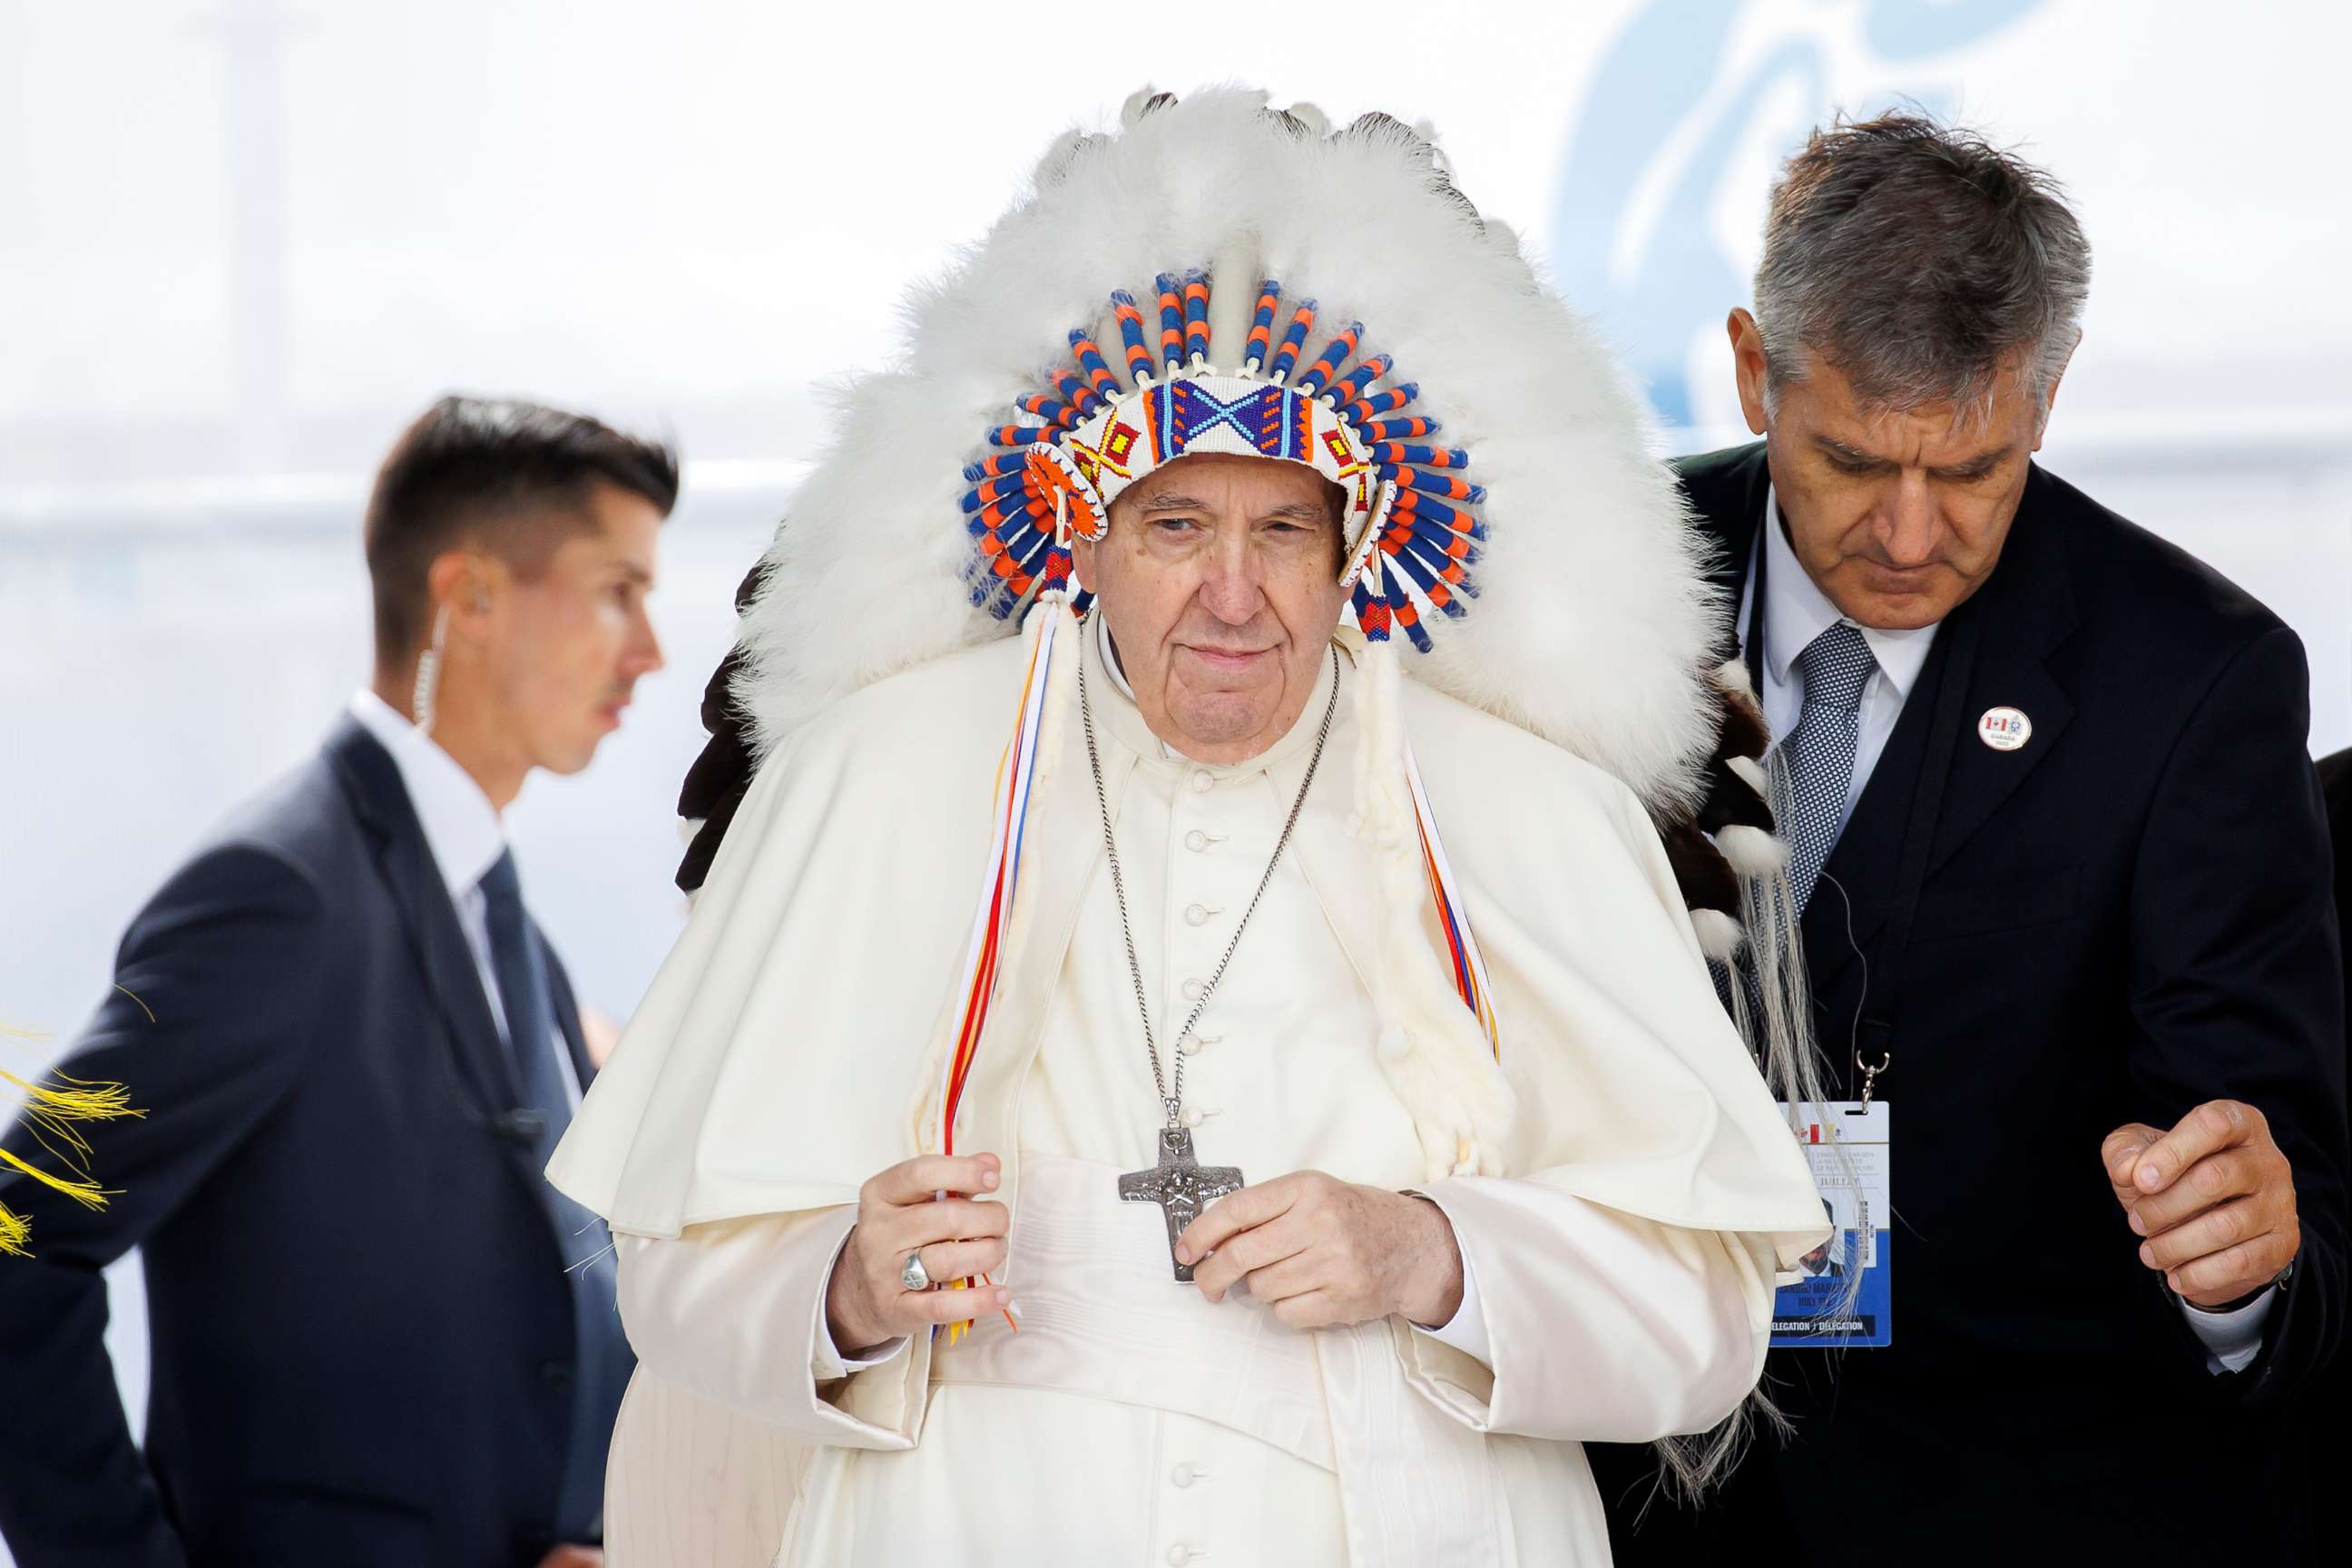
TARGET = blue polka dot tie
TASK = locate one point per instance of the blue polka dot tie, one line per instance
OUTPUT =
(1834, 666)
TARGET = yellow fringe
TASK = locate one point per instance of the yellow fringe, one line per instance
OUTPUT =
(54, 1108)
(83, 1190)
(51, 1110)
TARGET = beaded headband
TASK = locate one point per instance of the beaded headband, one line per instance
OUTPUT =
(1411, 531)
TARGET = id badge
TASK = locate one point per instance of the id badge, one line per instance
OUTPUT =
(1841, 1299)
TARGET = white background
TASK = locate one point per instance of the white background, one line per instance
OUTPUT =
(242, 242)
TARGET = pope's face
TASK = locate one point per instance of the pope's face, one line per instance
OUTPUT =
(1219, 582)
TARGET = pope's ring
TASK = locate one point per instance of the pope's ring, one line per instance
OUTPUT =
(915, 1277)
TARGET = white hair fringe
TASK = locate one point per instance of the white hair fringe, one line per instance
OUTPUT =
(1778, 1025)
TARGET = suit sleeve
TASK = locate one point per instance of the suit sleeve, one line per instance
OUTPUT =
(2236, 985)
(218, 986)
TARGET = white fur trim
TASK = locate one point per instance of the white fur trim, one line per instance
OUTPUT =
(1719, 936)
(1750, 771)
(1732, 675)
(1593, 621)
(1752, 851)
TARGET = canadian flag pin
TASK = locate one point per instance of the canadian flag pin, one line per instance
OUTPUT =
(2004, 729)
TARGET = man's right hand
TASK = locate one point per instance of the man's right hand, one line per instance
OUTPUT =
(866, 1303)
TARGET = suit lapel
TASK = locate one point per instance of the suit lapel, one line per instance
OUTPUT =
(417, 890)
(2029, 610)
(1731, 523)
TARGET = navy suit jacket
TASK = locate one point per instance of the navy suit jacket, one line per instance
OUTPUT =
(2127, 917)
(361, 1336)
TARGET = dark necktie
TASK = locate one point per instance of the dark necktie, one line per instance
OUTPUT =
(602, 1364)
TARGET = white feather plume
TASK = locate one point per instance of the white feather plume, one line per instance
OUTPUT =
(1593, 619)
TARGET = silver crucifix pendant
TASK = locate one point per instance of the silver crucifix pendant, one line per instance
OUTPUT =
(1181, 1185)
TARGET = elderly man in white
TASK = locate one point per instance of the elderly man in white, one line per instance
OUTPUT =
(1482, 1170)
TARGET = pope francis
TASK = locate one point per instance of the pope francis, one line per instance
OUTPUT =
(1148, 1078)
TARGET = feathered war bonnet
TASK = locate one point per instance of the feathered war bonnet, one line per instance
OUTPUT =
(1219, 277)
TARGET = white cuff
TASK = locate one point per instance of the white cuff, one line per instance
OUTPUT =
(1466, 1330)
(829, 1363)
(2232, 1338)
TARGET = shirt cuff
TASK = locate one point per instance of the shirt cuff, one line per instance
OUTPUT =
(830, 1362)
(1466, 1330)
(2232, 1338)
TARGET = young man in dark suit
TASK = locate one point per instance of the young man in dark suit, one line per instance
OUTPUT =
(378, 1337)
(2065, 905)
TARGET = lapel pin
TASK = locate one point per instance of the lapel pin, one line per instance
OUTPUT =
(2004, 729)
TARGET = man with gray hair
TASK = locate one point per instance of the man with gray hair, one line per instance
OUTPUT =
(2062, 876)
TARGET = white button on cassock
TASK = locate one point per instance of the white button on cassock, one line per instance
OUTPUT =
(1180, 1555)
(1194, 915)
(1193, 989)
(1185, 1475)
(1196, 841)
(1203, 780)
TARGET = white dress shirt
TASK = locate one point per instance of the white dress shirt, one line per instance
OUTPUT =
(1796, 611)
(463, 831)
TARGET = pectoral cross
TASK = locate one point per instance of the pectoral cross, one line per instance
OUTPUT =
(1181, 1185)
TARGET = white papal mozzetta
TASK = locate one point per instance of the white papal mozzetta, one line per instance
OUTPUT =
(1417, 933)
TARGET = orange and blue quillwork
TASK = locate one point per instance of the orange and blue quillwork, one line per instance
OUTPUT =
(1413, 517)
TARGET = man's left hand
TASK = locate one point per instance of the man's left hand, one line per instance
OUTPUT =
(2214, 1197)
(1320, 1251)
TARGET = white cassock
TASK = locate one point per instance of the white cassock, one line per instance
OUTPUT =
(1619, 1268)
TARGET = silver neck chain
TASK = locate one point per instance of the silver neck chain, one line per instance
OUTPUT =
(1172, 1098)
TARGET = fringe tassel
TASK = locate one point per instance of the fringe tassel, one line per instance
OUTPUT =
(953, 1053)
(52, 1111)
(1050, 620)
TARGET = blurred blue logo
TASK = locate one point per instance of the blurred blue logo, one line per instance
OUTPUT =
(1633, 241)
